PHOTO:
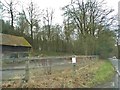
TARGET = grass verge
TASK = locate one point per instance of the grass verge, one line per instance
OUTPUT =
(103, 74)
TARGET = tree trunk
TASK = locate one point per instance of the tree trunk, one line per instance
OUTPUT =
(12, 18)
(118, 51)
(85, 45)
(31, 26)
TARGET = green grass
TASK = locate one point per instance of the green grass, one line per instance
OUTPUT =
(104, 73)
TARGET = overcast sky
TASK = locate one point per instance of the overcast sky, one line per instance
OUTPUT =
(57, 4)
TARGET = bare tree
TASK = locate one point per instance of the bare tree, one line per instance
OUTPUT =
(118, 41)
(47, 20)
(1, 9)
(89, 18)
(22, 24)
(9, 6)
(33, 17)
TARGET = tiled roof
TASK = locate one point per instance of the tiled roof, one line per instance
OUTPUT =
(12, 40)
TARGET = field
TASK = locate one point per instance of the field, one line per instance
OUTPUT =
(85, 76)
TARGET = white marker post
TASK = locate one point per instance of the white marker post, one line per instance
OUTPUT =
(74, 60)
(74, 64)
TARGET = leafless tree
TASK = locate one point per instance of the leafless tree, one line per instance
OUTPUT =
(32, 16)
(47, 20)
(9, 7)
(89, 18)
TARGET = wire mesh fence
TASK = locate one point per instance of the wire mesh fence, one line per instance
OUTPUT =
(42, 69)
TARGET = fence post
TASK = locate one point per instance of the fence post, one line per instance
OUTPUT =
(27, 71)
(74, 67)
(50, 66)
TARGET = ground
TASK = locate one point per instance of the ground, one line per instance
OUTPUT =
(88, 76)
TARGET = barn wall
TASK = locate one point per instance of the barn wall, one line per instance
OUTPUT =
(14, 51)
(6, 49)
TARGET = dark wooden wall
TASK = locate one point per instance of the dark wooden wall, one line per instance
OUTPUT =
(6, 49)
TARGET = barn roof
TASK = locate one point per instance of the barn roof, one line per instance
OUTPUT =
(12, 40)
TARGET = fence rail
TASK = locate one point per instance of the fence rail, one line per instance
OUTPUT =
(40, 66)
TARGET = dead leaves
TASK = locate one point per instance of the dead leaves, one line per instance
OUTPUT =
(63, 79)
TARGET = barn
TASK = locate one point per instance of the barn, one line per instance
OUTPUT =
(14, 46)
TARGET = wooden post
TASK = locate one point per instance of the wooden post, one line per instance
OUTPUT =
(74, 70)
(26, 77)
(49, 66)
(27, 71)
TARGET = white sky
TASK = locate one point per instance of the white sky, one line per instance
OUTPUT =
(57, 4)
